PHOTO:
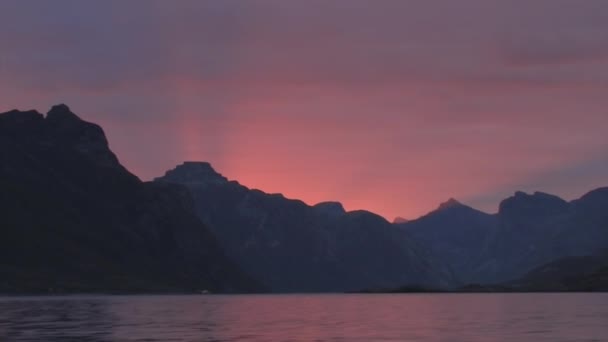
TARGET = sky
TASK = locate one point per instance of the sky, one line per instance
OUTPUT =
(392, 106)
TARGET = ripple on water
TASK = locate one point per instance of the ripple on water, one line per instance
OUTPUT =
(409, 317)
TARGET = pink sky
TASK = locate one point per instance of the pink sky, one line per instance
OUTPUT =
(389, 106)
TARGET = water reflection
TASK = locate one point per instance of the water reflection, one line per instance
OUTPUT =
(466, 317)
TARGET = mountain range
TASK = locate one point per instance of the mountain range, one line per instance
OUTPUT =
(528, 231)
(291, 247)
(73, 219)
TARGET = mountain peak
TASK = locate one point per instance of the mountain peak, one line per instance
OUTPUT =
(197, 164)
(537, 203)
(536, 196)
(19, 118)
(400, 220)
(61, 112)
(61, 127)
(450, 203)
(597, 198)
(194, 172)
(330, 208)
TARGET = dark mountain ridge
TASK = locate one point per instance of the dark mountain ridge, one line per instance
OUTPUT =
(291, 246)
(528, 231)
(463, 244)
(456, 234)
(576, 273)
(73, 219)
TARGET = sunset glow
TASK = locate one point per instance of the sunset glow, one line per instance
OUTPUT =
(319, 100)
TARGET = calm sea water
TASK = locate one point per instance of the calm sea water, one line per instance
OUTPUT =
(407, 317)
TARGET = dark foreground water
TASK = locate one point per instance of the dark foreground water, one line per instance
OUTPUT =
(408, 317)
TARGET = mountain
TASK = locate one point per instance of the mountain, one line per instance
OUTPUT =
(399, 220)
(456, 234)
(570, 274)
(581, 273)
(331, 209)
(523, 209)
(528, 231)
(291, 246)
(538, 228)
(73, 219)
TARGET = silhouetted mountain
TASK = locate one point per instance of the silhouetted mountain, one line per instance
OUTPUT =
(455, 233)
(450, 204)
(524, 208)
(399, 220)
(291, 246)
(333, 209)
(541, 228)
(582, 273)
(528, 231)
(570, 274)
(73, 219)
